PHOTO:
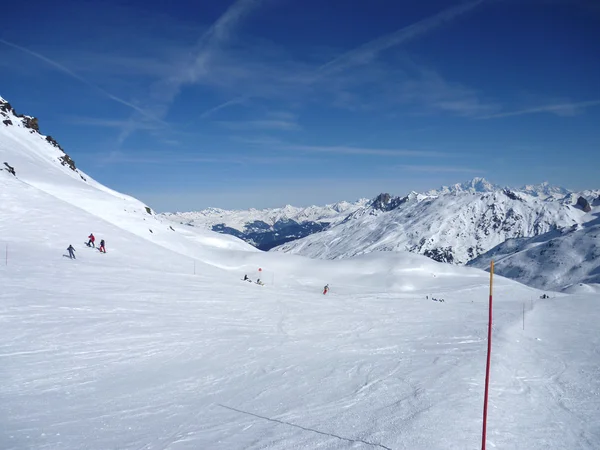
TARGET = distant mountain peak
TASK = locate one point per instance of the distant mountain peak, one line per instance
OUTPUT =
(475, 185)
(545, 190)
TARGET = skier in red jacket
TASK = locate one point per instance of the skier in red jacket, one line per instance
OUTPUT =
(91, 241)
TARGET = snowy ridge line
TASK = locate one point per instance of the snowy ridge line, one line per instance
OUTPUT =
(373, 444)
(454, 226)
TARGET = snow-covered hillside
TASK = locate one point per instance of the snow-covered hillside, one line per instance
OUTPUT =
(554, 260)
(267, 228)
(454, 227)
(159, 344)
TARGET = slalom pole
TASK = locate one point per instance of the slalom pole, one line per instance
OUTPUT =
(487, 367)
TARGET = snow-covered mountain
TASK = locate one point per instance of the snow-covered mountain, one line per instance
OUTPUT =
(451, 225)
(160, 344)
(475, 185)
(267, 228)
(545, 191)
(556, 260)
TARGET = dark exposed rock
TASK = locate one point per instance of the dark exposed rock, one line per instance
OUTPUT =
(148, 210)
(583, 204)
(5, 107)
(10, 169)
(52, 141)
(385, 202)
(31, 122)
(66, 160)
(444, 255)
(510, 194)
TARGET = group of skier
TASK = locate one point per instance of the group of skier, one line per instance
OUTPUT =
(246, 278)
(90, 243)
(258, 281)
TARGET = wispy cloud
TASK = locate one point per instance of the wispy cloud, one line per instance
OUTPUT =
(429, 91)
(72, 74)
(266, 124)
(345, 150)
(163, 158)
(562, 109)
(434, 168)
(208, 46)
(235, 101)
(368, 51)
(338, 149)
(193, 68)
(111, 123)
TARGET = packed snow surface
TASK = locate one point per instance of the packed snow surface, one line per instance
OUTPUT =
(159, 344)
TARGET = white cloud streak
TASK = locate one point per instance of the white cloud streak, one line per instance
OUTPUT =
(164, 92)
(110, 123)
(368, 51)
(266, 124)
(145, 157)
(339, 149)
(563, 109)
(235, 101)
(436, 169)
(72, 74)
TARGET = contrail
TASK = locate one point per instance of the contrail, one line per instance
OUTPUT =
(72, 74)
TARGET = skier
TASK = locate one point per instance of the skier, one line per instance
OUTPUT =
(326, 289)
(246, 277)
(71, 251)
(92, 240)
(102, 248)
(259, 282)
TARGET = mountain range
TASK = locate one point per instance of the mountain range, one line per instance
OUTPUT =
(268, 228)
(466, 223)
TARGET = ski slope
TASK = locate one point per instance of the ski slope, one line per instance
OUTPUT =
(158, 344)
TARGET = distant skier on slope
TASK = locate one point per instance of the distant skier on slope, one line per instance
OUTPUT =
(71, 251)
(92, 240)
(246, 278)
(102, 248)
(326, 289)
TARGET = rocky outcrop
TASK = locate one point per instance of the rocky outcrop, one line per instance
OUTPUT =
(583, 204)
(31, 123)
(510, 194)
(385, 202)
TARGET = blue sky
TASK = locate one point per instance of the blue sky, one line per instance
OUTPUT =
(259, 103)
